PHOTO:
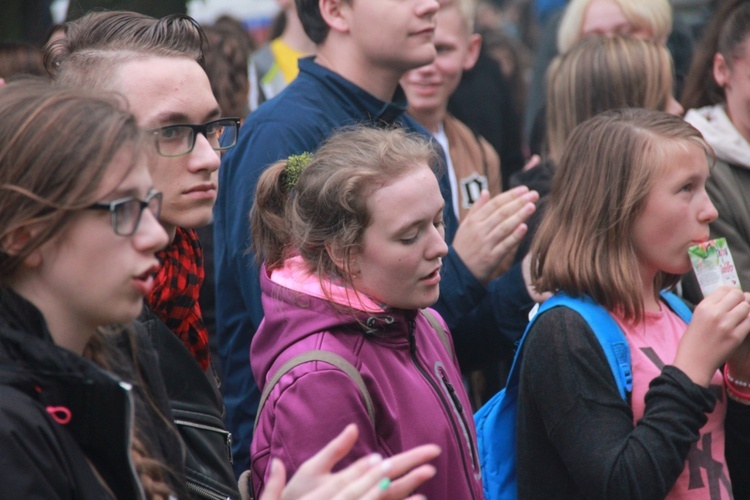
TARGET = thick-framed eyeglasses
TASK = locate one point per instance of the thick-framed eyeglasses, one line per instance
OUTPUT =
(126, 212)
(178, 140)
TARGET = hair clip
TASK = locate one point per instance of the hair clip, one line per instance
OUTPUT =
(295, 164)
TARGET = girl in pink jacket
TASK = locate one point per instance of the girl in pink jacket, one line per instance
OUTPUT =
(353, 244)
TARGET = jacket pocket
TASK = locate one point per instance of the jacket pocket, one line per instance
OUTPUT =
(208, 455)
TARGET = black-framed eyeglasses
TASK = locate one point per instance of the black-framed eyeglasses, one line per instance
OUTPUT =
(178, 140)
(126, 212)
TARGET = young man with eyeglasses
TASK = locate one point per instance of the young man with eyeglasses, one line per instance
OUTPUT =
(155, 65)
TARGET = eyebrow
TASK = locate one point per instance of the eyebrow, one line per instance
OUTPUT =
(118, 194)
(409, 225)
(175, 117)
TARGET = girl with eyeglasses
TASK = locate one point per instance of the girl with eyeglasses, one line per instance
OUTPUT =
(83, 410)
(80, 412)
(155, 65)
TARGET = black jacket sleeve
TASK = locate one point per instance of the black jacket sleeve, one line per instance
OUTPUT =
(197, 410)
(492, 328)
(737, 448)
(576, 437)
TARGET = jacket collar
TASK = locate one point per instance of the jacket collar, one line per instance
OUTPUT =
(299, 299)
(19, 314)
(95, 406)
(296, 276)
(349, 93)
(719, 131)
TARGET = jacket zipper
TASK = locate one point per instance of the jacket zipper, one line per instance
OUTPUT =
(227, 434)
(431, 381)
(203, 492)
(462, 415)
(130, 418)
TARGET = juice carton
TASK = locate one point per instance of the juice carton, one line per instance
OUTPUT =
(713, 265)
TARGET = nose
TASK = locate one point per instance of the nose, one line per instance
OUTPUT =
(708, 211)
(437, 247)
(426, 70)
(417, 76)
(203, 156)
(674, 107)
(428, 8)
(150, 237)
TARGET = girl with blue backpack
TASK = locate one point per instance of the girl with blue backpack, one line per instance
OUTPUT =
(627, 202)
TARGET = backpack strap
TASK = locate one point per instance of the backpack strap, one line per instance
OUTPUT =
(326, 357)
(438, 327)
(678, 306)
(608, 333)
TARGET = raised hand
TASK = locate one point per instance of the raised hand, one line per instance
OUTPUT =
(492, 230)
(720, 325)
(369, 478)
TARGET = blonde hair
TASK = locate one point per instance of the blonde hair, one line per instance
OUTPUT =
(584, 243)
(467, 9)
(654, 16)
(601, 73)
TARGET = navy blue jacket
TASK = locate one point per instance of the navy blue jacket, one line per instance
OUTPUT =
(298, 120)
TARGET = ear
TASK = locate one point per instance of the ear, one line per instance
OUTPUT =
(722, 71)
(335, 14)
(472, 52)
(339, 258)
(16, 241)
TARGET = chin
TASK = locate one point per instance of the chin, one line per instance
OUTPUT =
(197, 220)
(423, 58)
(428, 301)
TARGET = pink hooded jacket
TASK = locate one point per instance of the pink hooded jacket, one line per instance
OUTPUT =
(415, 385)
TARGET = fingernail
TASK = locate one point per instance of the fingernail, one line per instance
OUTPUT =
(375, 458)
(386, 465)
(384, 484)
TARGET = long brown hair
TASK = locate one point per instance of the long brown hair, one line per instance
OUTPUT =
(728, 30)
(584, 243)
(226, 66)
(56, 146)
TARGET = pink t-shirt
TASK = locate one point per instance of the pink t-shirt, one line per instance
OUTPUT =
(653, 344)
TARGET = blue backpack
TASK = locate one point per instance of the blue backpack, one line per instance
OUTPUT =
(496, 420)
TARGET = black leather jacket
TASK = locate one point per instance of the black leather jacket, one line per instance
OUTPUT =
(198, 413)
(61, 416)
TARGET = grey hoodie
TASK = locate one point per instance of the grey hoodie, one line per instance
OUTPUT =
(729, 184)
